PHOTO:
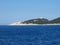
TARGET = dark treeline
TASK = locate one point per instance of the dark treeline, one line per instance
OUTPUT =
(42, 21)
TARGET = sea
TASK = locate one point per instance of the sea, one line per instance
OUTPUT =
(30, 35)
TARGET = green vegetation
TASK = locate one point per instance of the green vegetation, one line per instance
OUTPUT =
(57, 20)
(42, 21)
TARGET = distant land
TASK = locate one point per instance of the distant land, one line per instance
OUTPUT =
(38, 21)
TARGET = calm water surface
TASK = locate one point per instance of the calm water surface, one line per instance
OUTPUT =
(30, 35)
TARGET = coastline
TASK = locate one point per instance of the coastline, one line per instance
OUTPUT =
(32, 24)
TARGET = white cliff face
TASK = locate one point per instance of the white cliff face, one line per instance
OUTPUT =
(21, 24)
(17, 23)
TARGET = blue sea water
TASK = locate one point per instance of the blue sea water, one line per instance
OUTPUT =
(30, 35)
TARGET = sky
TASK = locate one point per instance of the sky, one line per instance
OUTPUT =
(20, 10)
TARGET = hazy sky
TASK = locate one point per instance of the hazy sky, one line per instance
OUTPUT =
(19, 10)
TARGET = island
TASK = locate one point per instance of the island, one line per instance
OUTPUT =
(39, 21)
